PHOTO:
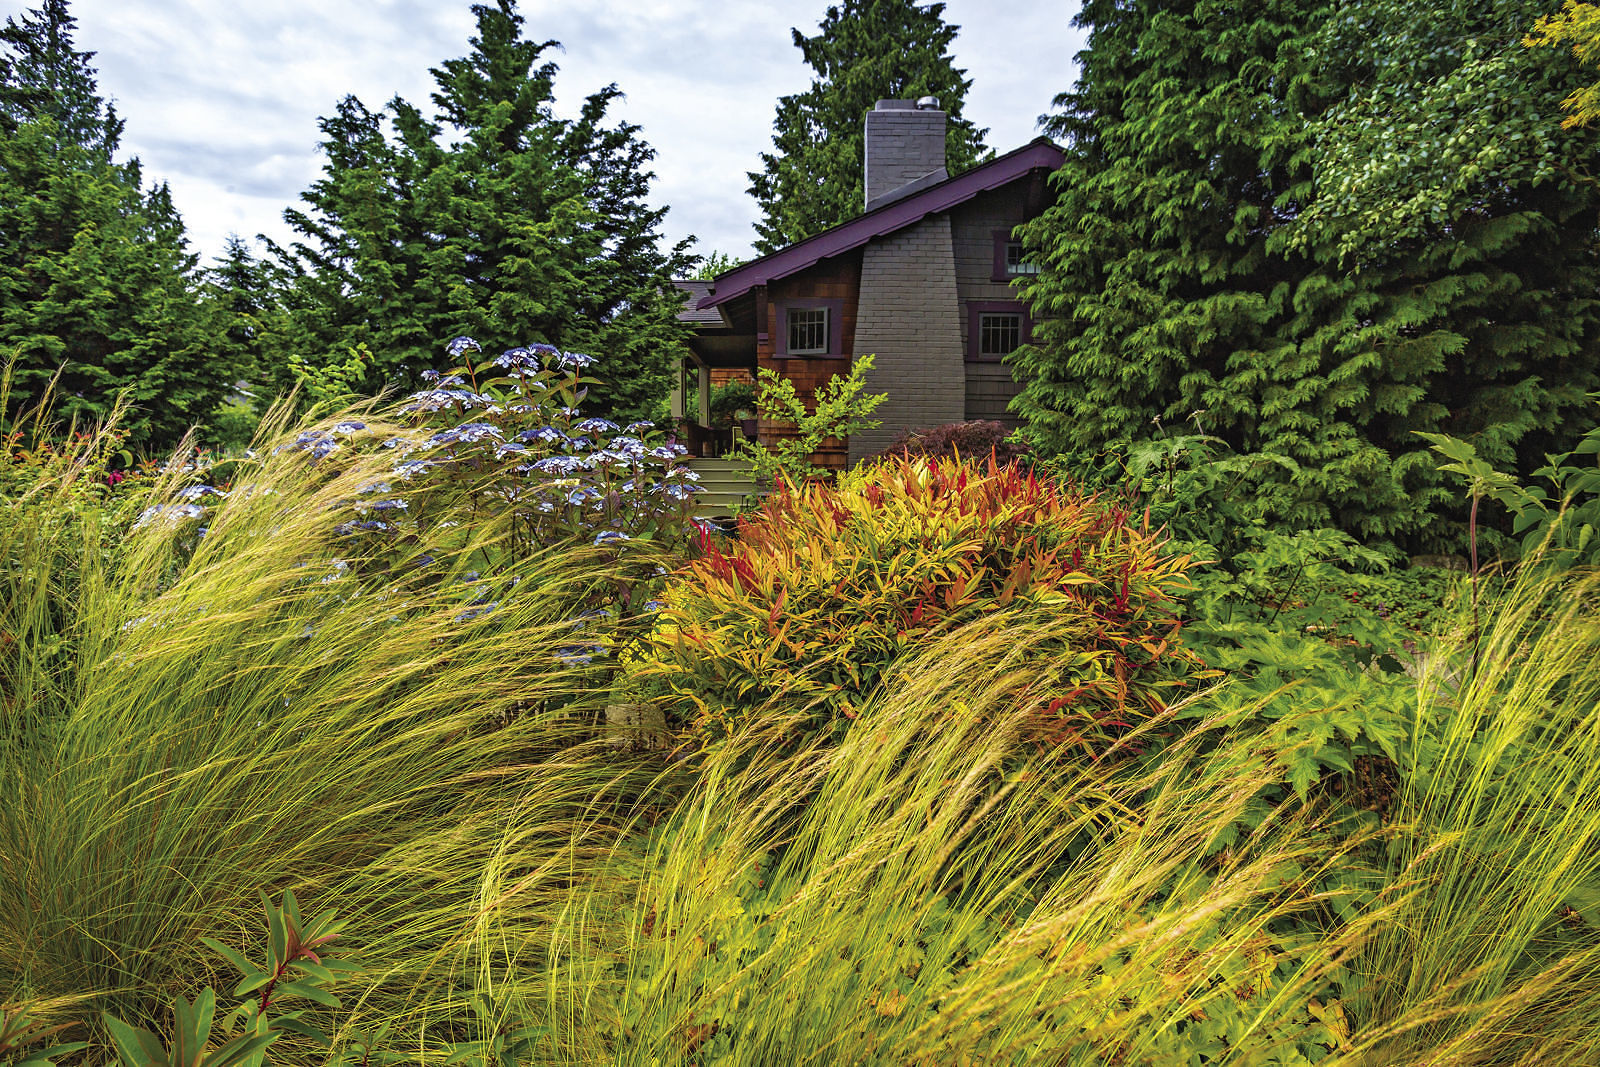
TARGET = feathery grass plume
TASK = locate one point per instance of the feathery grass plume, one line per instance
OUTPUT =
(252, 710)
(1496, 957)
(954, 892)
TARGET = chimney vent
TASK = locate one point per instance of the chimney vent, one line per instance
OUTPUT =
(904, 149)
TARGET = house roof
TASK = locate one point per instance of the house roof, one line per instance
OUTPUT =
(694, 291)
(898, 214)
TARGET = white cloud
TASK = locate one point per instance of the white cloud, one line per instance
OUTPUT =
(222, 100)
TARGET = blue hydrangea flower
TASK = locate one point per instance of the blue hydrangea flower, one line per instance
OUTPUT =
(467, 433)
(561, 466)
(596, 426)
(515, 359)
(576, 361)
(195, 492)
(547, 434)
(631, 447)
(610, 537)
(638, 427)
(411, 468)
(461, 345)
(349, 426)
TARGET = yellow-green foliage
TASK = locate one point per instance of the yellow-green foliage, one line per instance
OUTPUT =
(1577, 25)
(827, 587)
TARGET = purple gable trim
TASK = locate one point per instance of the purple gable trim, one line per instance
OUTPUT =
(897, 215)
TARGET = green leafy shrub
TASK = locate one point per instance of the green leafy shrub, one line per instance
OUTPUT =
(730, 399)
(827, 587)
(839, 409)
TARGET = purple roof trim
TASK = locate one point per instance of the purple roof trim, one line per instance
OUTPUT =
(1040, 152)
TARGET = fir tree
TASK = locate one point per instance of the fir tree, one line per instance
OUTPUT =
(43, 76)
(96, 281)
(865, 51)
(1199, 264)
(493, 218)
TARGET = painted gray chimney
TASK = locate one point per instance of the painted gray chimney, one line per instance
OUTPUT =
(905, 149)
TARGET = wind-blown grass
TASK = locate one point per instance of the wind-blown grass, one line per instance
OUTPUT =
(237, 713)
(246, 714)
(1495, 957)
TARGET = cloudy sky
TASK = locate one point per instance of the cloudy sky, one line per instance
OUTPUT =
(221, 98)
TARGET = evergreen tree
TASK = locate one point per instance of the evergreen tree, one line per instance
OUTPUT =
(96, 281)
(865, 51)
(1200, 265)
(43, 76)
(493, 218)
(244, 299)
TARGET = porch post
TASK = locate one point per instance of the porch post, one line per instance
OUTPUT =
(705, 394)
(679, 405)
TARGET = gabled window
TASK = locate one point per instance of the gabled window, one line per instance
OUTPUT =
(995, 329)
(808, 331)
(810, 328)
(1009, 260)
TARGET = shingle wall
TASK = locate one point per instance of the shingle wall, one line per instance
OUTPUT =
(989, 387)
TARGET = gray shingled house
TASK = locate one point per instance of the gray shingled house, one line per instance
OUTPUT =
(922, 280)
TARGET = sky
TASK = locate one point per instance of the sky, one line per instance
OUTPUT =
(221, 97)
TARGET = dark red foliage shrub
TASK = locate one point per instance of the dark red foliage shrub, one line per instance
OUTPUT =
(973, 440)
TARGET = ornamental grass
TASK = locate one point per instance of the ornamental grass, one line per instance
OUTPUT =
(198, 718)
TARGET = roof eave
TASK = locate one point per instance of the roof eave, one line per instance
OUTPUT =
(892, 216)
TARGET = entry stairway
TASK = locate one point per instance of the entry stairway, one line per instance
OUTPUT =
(727, 486)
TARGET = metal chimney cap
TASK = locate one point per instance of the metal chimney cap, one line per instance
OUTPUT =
(928, 103)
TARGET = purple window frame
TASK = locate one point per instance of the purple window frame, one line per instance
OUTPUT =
(1001, 239)
(976, 309)
(835, 309)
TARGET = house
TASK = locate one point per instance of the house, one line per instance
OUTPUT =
(922, 280)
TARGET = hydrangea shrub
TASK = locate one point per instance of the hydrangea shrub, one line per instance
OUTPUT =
(826, 587)
(502, 441)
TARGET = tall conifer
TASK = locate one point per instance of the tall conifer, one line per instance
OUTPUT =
(864, 51)
(493, 218)
(96, 280)
(1199, 265)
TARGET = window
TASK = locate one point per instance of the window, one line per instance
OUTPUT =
(996, 328)
(808, 331)
(999, 334)
(1015, 264)
(1009, 260)
(809, 327)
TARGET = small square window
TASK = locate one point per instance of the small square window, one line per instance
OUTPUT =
(808, 331)
(1015, 263)
(999, 333)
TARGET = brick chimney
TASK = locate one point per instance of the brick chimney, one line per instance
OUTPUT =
(905, 149)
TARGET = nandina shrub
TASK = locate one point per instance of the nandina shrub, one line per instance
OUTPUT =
(826, 587)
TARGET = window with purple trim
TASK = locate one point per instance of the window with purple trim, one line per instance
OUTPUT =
(810, 328)
(995, 329)
(1009, 260)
